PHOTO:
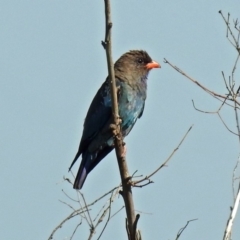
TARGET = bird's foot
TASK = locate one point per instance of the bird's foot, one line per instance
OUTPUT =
(119, 120)
(115, 129)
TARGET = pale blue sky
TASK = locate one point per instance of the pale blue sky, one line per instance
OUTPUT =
(51, 65)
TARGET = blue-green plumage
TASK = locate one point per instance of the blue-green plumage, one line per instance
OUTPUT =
(131, 71)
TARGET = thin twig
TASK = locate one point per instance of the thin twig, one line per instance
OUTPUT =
(218, 113)
(237, 120)
(81, 207)
(109, 216)
(226, 125)
(67, 204)
(183, 228)
(75, 230)
(134, 183)
(86, 206)
(145, 184)
(104, 195)
(73, 214)
(212, 93)
(105, 209)
(100, 211)
(233, 177)
(235, 67)
(226, 85)
(228, 27)
(69, 196)
(117, 212)
(202, 111)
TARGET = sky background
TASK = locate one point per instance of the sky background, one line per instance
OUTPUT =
(51, 65)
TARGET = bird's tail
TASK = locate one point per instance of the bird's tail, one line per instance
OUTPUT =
(80, 178)
(89, 161)
(83, 170)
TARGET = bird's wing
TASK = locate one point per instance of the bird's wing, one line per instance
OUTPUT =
(99, 113)
(98, 116)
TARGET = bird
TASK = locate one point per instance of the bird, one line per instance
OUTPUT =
(97, 141)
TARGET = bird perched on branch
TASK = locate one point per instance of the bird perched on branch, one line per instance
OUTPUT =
(131, 73)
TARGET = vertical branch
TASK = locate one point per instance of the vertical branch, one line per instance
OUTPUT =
(107, 44)
(234, 40)
(233, 213)
(237, 119)
(118, 140)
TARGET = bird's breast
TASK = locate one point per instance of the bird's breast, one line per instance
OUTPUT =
(131, 103)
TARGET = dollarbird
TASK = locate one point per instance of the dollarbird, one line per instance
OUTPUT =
(131, 73)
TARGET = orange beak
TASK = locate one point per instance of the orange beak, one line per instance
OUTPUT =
(152, 64)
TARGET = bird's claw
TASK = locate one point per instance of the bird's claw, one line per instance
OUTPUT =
(114, 129)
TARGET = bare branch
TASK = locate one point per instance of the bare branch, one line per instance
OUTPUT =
(233, 177)
(135, 224)
(109, 217)
(117, 212)
(118, 141)
(235, 66)
(233, 212)
(104, 195)
(107, 203)
(145, 184)
(212, 93)
(235, 44)
(69, 196)
(75, 230)
(234, 95)
(237, 120)
(134, 183)
(218, 113)
(86, 206)
(105, 210)
(67, 204)
(182, 229)
(73, 214)
(84, 212)
(226, 125)
(225, 99)
(202, 111)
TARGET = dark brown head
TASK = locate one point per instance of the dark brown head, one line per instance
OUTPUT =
(134, 66)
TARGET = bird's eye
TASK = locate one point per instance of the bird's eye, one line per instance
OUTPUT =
(140, 60)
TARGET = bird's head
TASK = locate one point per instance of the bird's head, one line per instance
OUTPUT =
(134, 66)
